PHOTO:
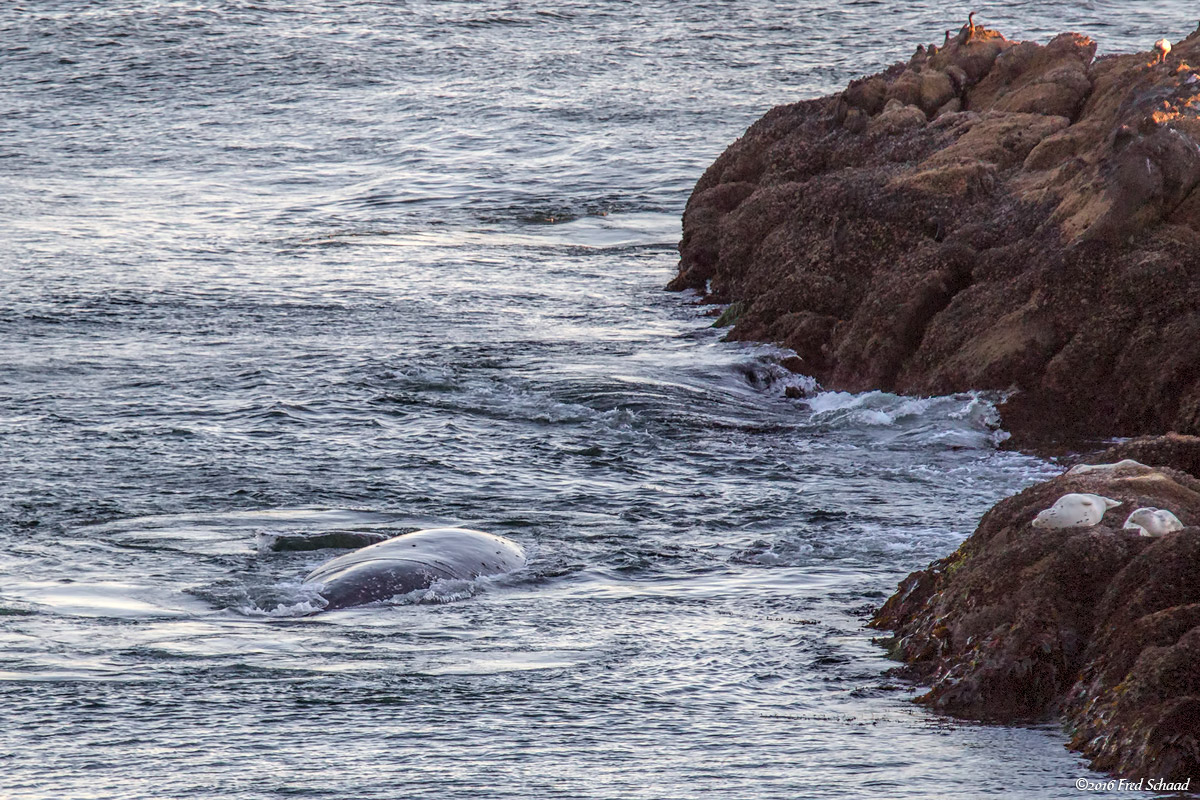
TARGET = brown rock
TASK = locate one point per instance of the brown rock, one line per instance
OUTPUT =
(1031, 78)
(1177, 452)
(895, 118)
(1001, 139)
(958, 76)
(868, 94)
(965, 178)
(951, 106)
(936, 90)
(856, 120)
(809, 334)
(1098, 624)
(1074, 220)
(1060, 147)
(1133, 708)
(905, 90)
(974, 57)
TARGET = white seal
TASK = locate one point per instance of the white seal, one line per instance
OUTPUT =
(1125, 463)
(1075, 510)
(1152, 521)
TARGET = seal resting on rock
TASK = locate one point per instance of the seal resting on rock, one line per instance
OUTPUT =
(1125, 463)
(1097, 626)
(1075, 510)
(413, 561)
(1154, 522)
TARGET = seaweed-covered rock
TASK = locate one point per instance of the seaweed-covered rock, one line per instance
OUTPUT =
(1098, 624)
(987, 215)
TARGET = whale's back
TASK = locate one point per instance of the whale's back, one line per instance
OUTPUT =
(413, 561)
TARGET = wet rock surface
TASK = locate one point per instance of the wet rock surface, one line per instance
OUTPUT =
(1098, 625)
(988, 215)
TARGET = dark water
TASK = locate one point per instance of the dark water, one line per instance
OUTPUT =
(275, 268)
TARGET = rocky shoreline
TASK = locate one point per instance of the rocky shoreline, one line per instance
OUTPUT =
(1011, 216)
(1097, 625)
(989, 215)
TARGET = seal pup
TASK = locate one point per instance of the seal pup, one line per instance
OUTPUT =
(1161, 48)
(1154, 522)
(413, 561)
(1075, 510)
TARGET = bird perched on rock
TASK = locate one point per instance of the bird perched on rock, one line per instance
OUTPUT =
(1075, 510)
(967, 32)
(1162, 47)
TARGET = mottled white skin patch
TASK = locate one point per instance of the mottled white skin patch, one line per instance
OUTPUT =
(1085, 469)
(1151, 521)
(1075, 510)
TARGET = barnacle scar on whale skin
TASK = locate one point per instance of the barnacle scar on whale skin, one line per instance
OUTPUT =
(1075, 510)
(413, 561)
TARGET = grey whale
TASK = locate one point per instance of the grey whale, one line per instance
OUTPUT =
(413, 561)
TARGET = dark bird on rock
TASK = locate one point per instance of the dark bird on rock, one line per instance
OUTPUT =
(967, 32)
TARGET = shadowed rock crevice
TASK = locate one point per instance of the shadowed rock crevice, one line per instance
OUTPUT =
(990, 214)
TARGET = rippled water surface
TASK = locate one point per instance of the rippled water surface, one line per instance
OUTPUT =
(282, 269)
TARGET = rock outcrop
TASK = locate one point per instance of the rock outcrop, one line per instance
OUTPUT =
(1098, 625)
(1173, 450)
(989, 215)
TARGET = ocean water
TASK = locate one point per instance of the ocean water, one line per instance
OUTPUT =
(276, 268)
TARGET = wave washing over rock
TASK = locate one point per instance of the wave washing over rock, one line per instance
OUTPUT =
(991, 215)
